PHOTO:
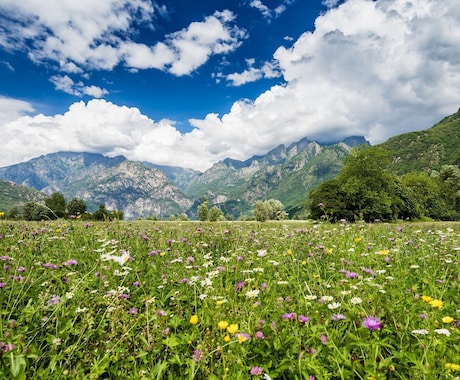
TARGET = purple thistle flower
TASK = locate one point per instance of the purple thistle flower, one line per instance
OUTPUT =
(303, 319)
(351, 275)
(50, 266)
(372, 323)
(240, 285)
(259, 335)
(288, 316)
(21, 269)
(70, 262)
(257, 371)
(124, 296)
(2, 285)
(197, 356)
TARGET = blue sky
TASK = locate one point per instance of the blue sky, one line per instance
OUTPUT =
(190, 83)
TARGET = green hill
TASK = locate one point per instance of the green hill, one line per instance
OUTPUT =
(427, 149)
(14, 194)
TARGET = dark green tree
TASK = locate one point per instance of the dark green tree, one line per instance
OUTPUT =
(101, 213)
(35, 212)
(364, 190)
(56, 204)
(76, 207)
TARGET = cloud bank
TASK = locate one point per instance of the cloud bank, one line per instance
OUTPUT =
(373, 68)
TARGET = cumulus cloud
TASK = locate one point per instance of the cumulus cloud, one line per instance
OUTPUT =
(252, 74)
(373, 68)
(66, 84)
(85, 35)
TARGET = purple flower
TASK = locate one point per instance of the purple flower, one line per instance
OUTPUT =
(304, 319)
(50, 266)
(197, 356)
(21, 269)
(351, 275)
(54, 300)
(259, 335)
(124, 296)
(136, 283)
(2, 285)
(70, 262)
(240, 285)
(133, 310)
(338, 317)
(372, 323)
(323, 339)
(257, 371)
(288, 316)
(5, 347)
(161, 313)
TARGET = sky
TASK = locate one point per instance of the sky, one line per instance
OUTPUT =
(182, 83)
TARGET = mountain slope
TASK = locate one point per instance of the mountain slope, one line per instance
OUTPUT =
(13, 194)
(284, 173)
(427, 149)
(116, 182)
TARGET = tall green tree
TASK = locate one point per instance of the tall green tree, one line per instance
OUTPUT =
(56, 204)
(363, 190)
(76, 207)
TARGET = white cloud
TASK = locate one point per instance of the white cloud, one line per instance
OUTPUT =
(252, 74)
(67, 85)
(84, 35)
(12, 109)
(266, 11)
(373, 68)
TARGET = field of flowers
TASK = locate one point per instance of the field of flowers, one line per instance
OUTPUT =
(286, 300)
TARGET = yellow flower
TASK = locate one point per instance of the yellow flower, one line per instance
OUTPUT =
(447, 319)
(194, 319)
(226, 338)
(219, 302)
(329, 251)
(357, 240)
(436, 303)
(233, 328)
(384, 252)
(223, 325)
(427, 298)
(289, 252)
(453, 367)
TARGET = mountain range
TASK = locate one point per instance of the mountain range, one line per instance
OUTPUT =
(143, 189)
(286, 173)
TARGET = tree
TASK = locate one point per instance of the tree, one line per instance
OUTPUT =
(34, 211)
(364, 189)
(215, 214)
(203, 211)
(76, 207)
(271, 209)
(56, 204)
(101, 213)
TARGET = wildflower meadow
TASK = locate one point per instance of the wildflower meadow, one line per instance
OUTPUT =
(230, 300)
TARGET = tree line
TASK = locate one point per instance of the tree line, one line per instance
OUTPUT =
(366, 189)
(56, 207)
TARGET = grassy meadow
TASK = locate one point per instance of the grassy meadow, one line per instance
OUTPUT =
(233, 300)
